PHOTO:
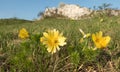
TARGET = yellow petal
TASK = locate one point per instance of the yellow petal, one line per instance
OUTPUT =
(100, 34)
(58, 48)
(42, 39)
(45, 34)
(82, 32)
(87, 35)
(98, 45)
(56, 34)
(93, 37)
(49, 49)
(54, 50)
(106, 40)
(62, 41)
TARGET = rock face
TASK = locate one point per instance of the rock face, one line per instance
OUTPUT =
(50, 11)
(115, 12)
(68, 10)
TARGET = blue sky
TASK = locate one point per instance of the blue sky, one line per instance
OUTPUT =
(28, 9)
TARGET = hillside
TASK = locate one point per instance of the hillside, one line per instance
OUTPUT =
(13, 21)
(31, 56)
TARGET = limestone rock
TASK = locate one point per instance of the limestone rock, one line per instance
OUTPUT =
(68, 10)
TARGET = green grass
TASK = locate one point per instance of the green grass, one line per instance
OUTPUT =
(31, 56)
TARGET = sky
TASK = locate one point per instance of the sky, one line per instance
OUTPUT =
(29, 9)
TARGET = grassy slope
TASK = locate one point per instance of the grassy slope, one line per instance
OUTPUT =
(70, 28)
(110, 26)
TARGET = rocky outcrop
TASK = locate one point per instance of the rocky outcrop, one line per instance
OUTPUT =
(115, 12)
(50, 11)
(108, 12)
(68, 10)
(76, 12)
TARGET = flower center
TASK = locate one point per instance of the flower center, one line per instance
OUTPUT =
(97, 40)
(53, 42)
(56, 41)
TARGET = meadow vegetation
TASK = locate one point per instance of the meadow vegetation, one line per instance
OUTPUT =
(30, 55)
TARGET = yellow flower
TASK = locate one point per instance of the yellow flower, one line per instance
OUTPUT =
(84, 35)
(100, 41)
(53, 39)
(101, 20)
(23, 33)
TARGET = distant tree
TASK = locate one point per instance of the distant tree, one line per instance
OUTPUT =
(100, 7)
(40, 14)
(104, 6)
(94, 7)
